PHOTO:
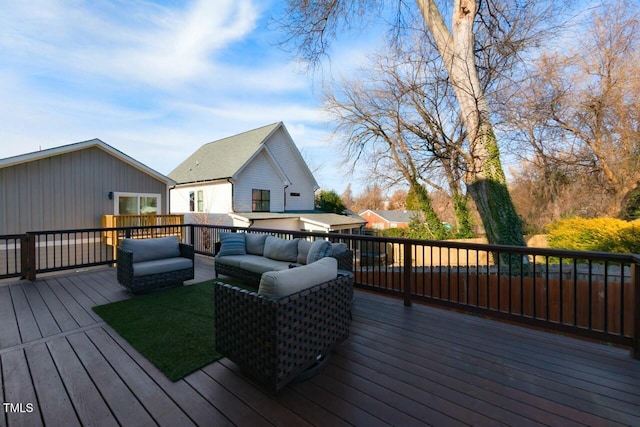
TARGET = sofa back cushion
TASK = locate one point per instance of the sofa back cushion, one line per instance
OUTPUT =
(281, 249)
(232, 244)
(303, 251)
(255, 243)
(319, 249)
(337, 249)
(278, 284)
(152, 249)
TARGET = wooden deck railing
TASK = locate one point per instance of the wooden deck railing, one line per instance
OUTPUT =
(134, 226)
(591, 294)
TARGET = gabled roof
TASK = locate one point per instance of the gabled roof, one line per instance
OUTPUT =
(397, 216)
(225, 158)
(222, 158)
(64, 149)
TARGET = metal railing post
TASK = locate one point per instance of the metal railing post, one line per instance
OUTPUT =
(406, 274)
(635, 285)
(28, 256)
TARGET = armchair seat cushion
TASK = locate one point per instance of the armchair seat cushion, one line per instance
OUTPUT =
(158, 266)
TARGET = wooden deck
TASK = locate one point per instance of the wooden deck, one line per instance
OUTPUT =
(60, 365)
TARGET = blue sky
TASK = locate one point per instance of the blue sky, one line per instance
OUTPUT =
(157, 80)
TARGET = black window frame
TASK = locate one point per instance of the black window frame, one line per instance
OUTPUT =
(260, 200)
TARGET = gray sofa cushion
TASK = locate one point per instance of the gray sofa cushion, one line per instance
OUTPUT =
(234, 260)
(261, 265)
(281, 249)
(337, 249)
(319, 249)
(255, 243)
(152, 249)
(303, 251)
(277, 284)
(232, 244)
(166, 265)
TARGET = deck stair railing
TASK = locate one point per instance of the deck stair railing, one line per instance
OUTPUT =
(590, 294)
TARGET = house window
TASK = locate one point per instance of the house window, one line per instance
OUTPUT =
(200, 201)
(192, 201)
(136, 204)
(260, 200)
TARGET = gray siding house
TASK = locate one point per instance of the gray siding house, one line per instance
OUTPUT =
(73, 186)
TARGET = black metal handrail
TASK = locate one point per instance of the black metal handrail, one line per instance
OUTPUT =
(591, 294)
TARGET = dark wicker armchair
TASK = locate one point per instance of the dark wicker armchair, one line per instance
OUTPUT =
(277, 340)
(174, 273)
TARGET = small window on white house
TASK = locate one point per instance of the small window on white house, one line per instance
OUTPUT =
(260, 200)
(200, 201)
(192, 201)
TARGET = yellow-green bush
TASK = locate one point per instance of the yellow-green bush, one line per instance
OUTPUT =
(595, 234)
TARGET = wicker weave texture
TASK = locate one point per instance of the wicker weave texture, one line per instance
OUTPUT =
(137, 285)
(276, 340)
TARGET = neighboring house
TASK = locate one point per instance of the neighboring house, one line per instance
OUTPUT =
(257, 178)
(73, 186)
(384, 219)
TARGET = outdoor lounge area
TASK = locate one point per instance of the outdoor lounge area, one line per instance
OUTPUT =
(419, 365)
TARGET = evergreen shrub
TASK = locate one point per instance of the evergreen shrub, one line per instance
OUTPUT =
(595, 234)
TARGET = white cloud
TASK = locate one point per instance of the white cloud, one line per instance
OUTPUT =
(126, 41)
(155, 81)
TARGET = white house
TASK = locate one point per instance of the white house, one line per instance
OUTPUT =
(256, 178)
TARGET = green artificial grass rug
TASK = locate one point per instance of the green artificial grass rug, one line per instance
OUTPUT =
(173, 328)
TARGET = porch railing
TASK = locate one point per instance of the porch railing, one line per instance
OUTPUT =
(591, 294)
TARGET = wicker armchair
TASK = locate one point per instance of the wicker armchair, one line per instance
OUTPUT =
(144, 283)
(278, 340)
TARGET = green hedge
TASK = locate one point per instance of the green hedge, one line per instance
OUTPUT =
(595, 234)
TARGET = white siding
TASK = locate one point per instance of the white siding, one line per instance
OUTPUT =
(259, 174)
(216, 198)
(289, 161)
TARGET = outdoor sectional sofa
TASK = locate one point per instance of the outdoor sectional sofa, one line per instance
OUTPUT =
(249, 255)
(149, 264)
(286, 330)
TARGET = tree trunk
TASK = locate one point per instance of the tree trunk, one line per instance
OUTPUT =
(485, 180)
(434, 224)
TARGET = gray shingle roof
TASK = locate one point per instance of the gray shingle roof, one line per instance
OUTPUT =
(222, 158)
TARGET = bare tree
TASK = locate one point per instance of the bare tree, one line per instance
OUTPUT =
(312, 25)
(581, 110)
(398, 200)
(394, 117)
(370, 198)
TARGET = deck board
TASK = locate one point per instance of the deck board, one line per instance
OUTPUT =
(27, 324)
(87, 400)
(19, 389)
(9, 332)
(122, 402)
(401, 365)
(149, 394)
(53, 402)
(60, 313)
(76, 311)
(47, 325)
